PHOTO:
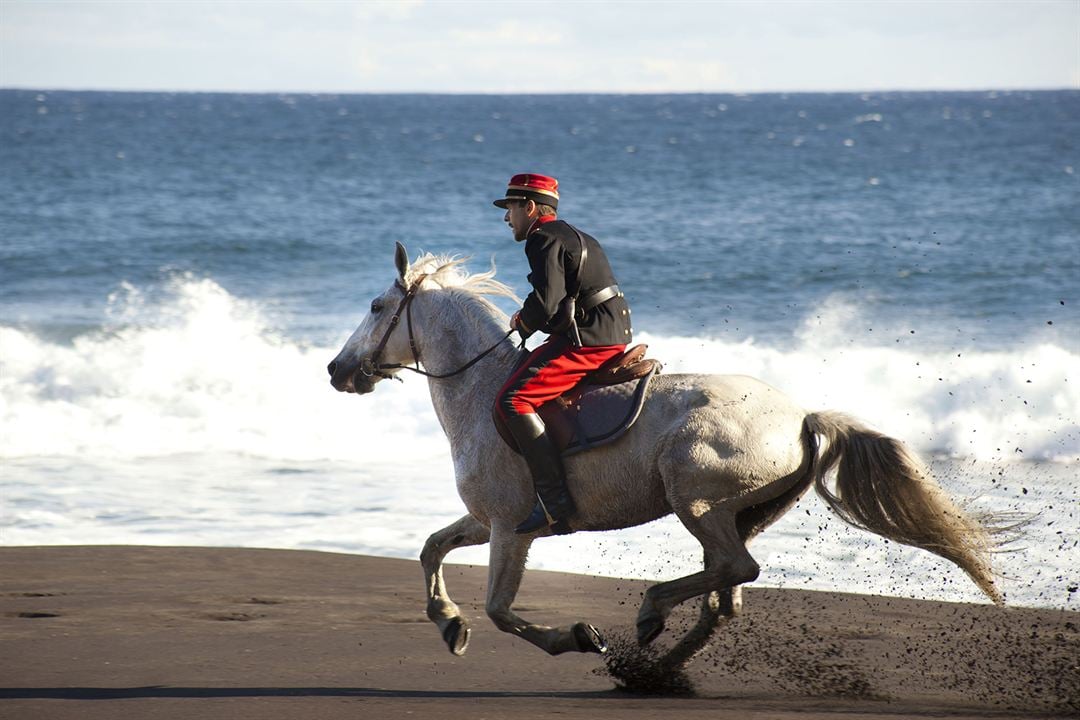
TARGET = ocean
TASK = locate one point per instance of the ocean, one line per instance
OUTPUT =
(176, 270)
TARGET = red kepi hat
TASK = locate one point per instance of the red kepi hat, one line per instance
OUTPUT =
(541, 189)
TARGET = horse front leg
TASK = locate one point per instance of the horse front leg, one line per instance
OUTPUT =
(441, 610)
(505, 570)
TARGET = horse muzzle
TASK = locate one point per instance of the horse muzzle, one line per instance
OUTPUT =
(351, 377)
(362, 383)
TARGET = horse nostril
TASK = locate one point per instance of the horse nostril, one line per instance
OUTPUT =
(332, 368)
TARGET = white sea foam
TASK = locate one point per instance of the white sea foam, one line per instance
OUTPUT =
(208, 375)
(203, 371)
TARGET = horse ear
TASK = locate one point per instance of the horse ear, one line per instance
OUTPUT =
(401, 260)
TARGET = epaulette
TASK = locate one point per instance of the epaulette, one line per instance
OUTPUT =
(544, 230)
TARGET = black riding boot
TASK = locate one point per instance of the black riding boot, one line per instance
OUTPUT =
(554, 504)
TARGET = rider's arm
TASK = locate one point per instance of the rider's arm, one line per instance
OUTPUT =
(548, 279)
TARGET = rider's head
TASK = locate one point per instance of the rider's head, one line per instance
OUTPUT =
(527, 198)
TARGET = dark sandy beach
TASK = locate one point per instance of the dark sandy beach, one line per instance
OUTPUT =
(148, 632)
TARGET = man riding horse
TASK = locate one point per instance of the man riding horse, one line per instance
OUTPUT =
(727, 454)
(574, 299)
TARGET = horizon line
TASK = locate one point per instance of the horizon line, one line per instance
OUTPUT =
(492, 93)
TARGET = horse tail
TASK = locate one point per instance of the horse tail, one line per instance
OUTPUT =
(883, 488)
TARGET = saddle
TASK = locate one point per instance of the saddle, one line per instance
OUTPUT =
(599, 409)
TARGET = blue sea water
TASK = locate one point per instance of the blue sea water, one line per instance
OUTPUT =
(177, 269)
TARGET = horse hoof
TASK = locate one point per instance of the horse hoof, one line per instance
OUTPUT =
(456, 634)
(649, 629)
(589, 639)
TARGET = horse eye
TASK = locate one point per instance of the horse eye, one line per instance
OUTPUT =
(376, 306)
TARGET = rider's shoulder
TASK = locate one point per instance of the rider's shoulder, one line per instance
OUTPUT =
(554, 230)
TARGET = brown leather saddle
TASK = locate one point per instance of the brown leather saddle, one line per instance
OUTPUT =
(600, 408)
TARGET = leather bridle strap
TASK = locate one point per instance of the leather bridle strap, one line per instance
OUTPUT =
(463, 368)
(371, 365)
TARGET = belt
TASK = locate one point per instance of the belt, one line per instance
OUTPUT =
(599, 297)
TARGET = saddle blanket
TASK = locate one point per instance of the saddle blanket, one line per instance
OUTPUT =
(600, 409)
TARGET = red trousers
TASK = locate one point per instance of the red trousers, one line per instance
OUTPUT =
(552, 369)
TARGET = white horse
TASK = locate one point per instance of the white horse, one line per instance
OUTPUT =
(727, 454)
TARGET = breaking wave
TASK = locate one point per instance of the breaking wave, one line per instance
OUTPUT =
(200, 370)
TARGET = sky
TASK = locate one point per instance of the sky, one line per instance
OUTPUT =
(449, 46)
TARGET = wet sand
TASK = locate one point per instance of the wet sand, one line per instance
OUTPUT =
(151, 632)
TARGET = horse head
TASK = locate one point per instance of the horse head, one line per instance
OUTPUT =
(378, 341)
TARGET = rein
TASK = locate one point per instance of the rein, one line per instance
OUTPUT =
(371, 366)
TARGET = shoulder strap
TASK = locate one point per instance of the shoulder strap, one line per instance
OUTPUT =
(583, 256)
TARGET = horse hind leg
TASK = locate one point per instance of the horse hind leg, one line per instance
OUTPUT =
(717, 607)
(441, 610)
(722, 605)
(728, 564)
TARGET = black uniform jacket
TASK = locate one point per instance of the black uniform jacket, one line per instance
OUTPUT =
(554, 253)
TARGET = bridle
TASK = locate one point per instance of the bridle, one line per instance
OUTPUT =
(370, 365)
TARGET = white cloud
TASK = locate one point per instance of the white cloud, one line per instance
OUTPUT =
(508, 32)
(685, 75)
(364, 63)
(393, 10)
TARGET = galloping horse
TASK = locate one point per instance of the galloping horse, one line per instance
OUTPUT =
(727, 454)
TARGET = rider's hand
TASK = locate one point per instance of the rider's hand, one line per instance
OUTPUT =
(516, 324)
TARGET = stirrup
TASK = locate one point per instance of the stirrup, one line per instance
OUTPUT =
(537, 519)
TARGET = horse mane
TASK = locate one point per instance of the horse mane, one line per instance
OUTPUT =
(448, 272)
